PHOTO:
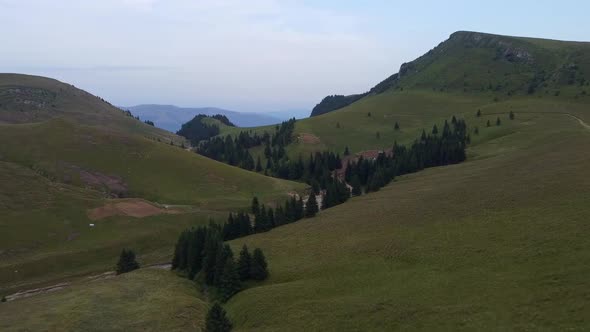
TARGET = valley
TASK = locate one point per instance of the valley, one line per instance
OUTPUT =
(498, 241)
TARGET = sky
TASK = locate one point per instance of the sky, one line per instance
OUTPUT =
(250, 55)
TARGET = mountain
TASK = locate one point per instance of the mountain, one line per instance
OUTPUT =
(69, 159)
(171, 117)
(474, 62)
(498, 242)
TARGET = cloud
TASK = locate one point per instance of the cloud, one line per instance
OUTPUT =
(263, 53)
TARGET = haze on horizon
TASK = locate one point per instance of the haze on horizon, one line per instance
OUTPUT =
(260, 55)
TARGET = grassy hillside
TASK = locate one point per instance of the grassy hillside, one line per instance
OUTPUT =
(497, 243)
(56, 169)
(491, 65)
(144, 300)
(27, 99)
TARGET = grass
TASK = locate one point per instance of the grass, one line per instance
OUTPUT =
(45, 234)
(44, 228)
(497, 243)
(143, 300)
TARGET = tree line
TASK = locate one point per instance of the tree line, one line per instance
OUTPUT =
(196, 130)
(433, 149)
(201, 255)
(235, 150)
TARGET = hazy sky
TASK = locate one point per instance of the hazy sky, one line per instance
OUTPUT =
(250, 55)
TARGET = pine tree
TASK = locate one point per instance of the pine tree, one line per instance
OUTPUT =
(488, 124)
(127, 262)
(217, 320)
(259, 267)
(229, 284)
(299, 212)
(311, 207)
(369, 114)
(244, 262)
(255, 206)
(258, 165)
(346, 151)
(478, 113)
(511, 115)
(476, 130)
(434, 130)
(498, 121)
(396, 127)
(355, 183)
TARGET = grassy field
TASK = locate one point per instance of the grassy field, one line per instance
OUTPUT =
(47, 168)
(143, 300)
(497, 243)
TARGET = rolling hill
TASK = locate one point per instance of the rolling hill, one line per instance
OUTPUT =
(499, 242)
(69, 159)
(171, 117)
(501, 66)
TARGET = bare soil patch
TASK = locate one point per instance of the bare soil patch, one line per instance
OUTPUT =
(130, 207)
(307, 138)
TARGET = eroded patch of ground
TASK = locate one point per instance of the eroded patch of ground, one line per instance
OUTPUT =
(307, 138)
(137, 208)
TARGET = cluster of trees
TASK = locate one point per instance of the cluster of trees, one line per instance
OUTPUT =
(234, 151)
(201, 254)
(434, 149)
(127, 262)
(217, 320)
(315, 170)
(334, 102)
(196, 130)
(265, 218)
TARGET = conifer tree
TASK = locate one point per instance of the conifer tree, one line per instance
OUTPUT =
(259, 267)
(299, 213)
(488, 124)
(244, 262)
(346, 151)
(127, 262)
(478, 113)
(255, 206)
(355, 183)
(498, 121)
(511, 115)
(311, 208)
(396, 127)
(229, 283)
(434, 130)
(217, 320)
(476, 130)
(258, 165)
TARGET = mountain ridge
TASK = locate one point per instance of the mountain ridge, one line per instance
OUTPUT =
(505, 65)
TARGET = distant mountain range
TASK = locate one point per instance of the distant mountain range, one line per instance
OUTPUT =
(171, 117)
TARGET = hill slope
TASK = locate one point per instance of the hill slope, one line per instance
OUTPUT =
(499, 242)
(84, 162)
(171, 117)
(473, 62)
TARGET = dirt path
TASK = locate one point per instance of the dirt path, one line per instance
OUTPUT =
(584, 124)
(82, 280)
